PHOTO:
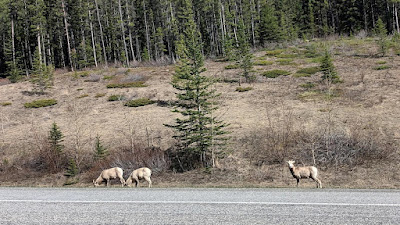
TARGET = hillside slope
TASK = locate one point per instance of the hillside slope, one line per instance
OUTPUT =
(268, 123)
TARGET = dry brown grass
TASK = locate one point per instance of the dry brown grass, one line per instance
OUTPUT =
(271, 111)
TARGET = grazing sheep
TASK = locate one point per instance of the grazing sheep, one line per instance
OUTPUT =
(139, 174)
(108, 174)
(304, 172)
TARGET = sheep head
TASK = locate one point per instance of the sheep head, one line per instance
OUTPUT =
(95, 183)
(291, 163)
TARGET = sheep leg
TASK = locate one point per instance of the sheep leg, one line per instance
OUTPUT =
(137, 182)
(298, 180)
(108, 182)
(319, 184)
(122, 180)
(148, 180)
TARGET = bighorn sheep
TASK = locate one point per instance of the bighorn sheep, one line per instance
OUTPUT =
(304, 172)
(108, 174)
(139, 174)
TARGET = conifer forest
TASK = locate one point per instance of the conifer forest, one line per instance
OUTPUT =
(75, 34)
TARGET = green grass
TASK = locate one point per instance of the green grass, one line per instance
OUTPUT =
(381, 62)
(99, 95)
(308, 85)
(127, 85)
(139, 102)
(40, 103)
(274, 52)
(306, 72)
(285, 61)
(108, 77)
(5, 103)
(383, 67)
(113, 98)
(232, 67)
(263, 63)
(83, 96)
(275, 73)
(286, 56)
(243, 89)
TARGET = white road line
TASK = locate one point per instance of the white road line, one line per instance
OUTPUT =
(206, 202)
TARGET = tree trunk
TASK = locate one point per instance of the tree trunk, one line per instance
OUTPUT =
(101, 34)
(147, 29)
(13, 40)
(123, 32)
(93, 41)
(67, 35)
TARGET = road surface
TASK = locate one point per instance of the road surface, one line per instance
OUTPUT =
(197, 206)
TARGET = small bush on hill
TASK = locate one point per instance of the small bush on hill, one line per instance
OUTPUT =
(116, 98)
(83, 96)
(285, 61)
(127, 85)
(308, 85)
(285, 56)
(232, 67)
(383, 67)
(243, 89)
(5, 103)
(275, 73)
(40, 103)
(263, 63)
(139, 102)
(381, 62)
(310, 70)
(274, 52)
(99, 95)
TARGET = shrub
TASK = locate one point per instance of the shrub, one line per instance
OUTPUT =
(108, 77)
(285, 61)
(381, 62)
(5, 103)
(274, 52)
(383, 67)
(127, 85)
(83, 96)
(232, 67)
(310, 70)
(243, 89)
(99, 95)
(113, 98)
(285, 56)
(308, 85)
(275, 73)
(40, 103)
(139, 102)
(263, 63)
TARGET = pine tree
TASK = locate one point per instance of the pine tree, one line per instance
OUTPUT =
(55, 139)
(42, 77)
(72, 169)
(268, 29)
(54, 155)
(198, 132)
(100, 152)
(381, 33)
(245, 55)
(328, 69)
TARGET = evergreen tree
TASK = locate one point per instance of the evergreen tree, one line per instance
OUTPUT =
(54, 155)
(245, 55)
(381, 33)
(268, 29)
(72, 169)
(42, 77)
(55, 139)
(197, 131)
(100, 152)
(328, 69)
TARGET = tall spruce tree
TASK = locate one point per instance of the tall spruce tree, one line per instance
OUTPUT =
(198, 132)
(381, 33)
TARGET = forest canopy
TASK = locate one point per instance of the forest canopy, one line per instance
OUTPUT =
(75, 34)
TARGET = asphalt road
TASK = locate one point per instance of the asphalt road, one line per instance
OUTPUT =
(197, 206)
